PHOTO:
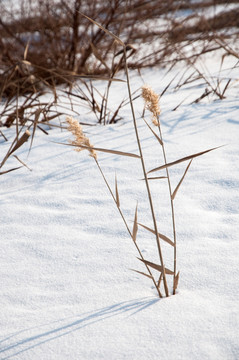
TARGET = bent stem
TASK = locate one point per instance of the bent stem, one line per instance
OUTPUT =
(127, 227)
(145, 177)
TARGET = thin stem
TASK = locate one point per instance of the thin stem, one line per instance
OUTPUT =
(145, 177)
(172, 209)
(17, 113)
(106, 97)
(127, 227)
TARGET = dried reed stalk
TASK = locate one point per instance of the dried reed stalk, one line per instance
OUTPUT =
(151, 100)
(124, 46)
(145, 176)
(152, 104)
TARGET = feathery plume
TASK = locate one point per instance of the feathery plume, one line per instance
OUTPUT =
(151, 101)
(80, 139)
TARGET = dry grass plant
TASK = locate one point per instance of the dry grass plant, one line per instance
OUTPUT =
(151, 103)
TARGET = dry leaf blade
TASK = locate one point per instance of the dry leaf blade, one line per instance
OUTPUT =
(180, 182)
(105, 30)
(117, 193)
(102, 150)
(142, 273)
(163, 237)
(7, 171)
(189, 157)
(135, 227)
(175, 285)
(157, 267)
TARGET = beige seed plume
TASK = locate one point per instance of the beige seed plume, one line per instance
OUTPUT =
(80, 139)
(151, 101)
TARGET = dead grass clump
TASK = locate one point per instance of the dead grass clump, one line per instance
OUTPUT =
(57, 42)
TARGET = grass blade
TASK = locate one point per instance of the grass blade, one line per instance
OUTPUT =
(175, 284)
(142, 273)
(159, 280)
(98, 56)
(21, 141)
(163, 237)
(135, 227)
(166, 88)
(105, 30)
(26, 50)
(37, 115)
(3, 135)
(180, 182)
(157, 267)
(22, 162)
(97, 77)
(157, 137)
(189, 157)
(117, 193)
(225, 88)
(7, 171)
(156, 178)
(101, 149)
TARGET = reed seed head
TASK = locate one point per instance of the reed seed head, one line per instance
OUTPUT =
(80, 139)
(151, 101)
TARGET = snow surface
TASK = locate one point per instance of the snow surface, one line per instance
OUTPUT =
(67, 291)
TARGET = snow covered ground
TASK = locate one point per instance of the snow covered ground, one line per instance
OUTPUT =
(67, 291)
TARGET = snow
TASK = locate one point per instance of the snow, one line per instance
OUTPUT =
(67, 288)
